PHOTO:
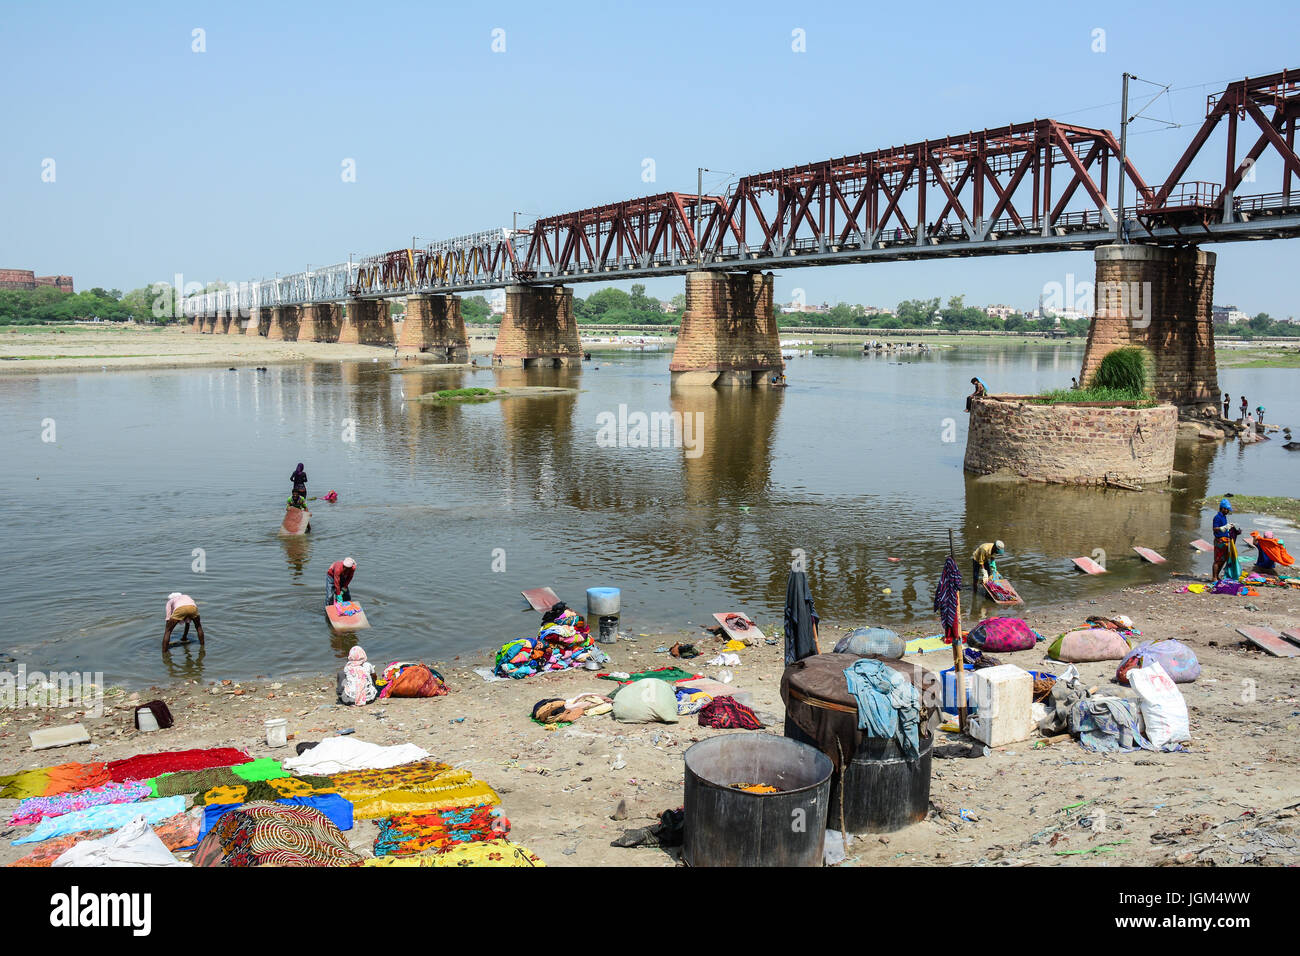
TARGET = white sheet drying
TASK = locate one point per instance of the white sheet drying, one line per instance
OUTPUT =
(337, 754)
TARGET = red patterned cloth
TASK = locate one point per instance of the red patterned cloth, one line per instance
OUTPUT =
(727, 713)
(144, 766)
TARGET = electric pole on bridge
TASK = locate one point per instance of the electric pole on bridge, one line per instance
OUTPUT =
(1120, 235)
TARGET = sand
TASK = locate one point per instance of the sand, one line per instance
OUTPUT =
(560, 790)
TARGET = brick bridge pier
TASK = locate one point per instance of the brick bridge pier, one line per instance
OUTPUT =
(1161, 299)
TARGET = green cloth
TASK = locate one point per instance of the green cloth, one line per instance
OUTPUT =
(193, 781)
(669, 674)
(263, 768)
(201, 781)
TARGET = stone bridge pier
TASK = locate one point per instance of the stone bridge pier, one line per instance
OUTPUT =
(1161, 299)
(538, 329)
(366, 322)
(284, 324)
(259, 322)
(235, 322)
(319, 322)
(434, 328)
(728, 334)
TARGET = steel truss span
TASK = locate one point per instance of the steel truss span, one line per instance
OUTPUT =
(1042, 186)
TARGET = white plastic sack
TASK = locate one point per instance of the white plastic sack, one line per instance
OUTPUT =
(645, 701)
(1164, 712)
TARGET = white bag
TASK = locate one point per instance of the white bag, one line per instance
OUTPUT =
(1164, 712)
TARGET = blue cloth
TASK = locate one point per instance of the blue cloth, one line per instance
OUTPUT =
(332, 805)
(1263, 562)
(112, 816)
(888, 704)
(1221, 533)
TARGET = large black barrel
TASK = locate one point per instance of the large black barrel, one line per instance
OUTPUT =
(727, 827)
(882, 790)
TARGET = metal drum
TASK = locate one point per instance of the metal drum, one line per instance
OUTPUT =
(728, 827)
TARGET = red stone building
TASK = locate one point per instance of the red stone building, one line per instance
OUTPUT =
(27, 280)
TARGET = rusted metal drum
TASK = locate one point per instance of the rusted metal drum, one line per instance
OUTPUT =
(729, 827)
(879, 788)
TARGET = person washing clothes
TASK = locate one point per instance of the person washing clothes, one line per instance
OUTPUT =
(356, 683)
(983, 564)
(337, 579)
(181, 607)
(1224, 535)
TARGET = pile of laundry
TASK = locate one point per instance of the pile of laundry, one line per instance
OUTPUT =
(563, 641)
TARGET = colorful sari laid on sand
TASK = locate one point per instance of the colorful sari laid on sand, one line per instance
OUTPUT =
(492, 853)
(268, 834)
(110, 817)
(50, 781)
(440, 830)
(144, 766)
(34, 809)
(176, 832)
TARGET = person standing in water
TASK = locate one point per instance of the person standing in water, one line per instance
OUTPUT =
(337, 579)
(299, 479)
(181, 607)
(1227, 405)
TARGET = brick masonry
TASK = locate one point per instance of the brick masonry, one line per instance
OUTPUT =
(366, 322)
(284, 324)
(1071, 444)
(319, 322)
(434, 326)
(259, 321)
(728, 331)
(538, 328)
(1180, 335)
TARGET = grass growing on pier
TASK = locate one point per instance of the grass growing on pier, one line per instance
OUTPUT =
(1061, 396)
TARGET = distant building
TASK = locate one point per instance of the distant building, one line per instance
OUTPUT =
(1228, 315)
(1002, 312)
(27, 281)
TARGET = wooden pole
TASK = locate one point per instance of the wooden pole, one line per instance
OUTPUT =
(958, 663)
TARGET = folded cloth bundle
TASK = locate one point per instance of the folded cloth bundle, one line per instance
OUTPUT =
(727, 713)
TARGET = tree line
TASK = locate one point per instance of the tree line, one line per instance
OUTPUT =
(157, 303)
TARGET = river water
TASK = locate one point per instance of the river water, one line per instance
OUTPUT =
(176, 480)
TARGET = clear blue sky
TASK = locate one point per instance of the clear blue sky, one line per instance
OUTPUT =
(226, 164)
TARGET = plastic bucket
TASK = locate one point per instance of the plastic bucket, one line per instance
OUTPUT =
(277, 732)
(145, 720)
(728, 827)
(603, 611)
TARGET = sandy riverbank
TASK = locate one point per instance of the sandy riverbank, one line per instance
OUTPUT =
(559, 787)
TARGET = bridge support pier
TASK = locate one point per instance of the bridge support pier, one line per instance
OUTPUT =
(538, 329)
(210, 322)
(319, 322)
(728, 334)
(234, 323)
(434, 329)
(284, 324)
(366, 322)
(259, 321)
(1161, 299)
(197, 324)
(222, 326)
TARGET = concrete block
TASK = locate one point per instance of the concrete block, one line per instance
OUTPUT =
(1004, 697)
